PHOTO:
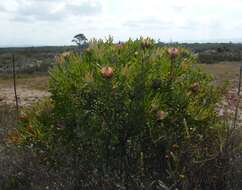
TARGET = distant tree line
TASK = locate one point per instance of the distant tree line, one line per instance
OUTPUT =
(213, 52)
(32, 59)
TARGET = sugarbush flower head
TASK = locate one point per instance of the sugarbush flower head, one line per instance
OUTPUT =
(175, 146)
(146, 43)
(107, 72)
(62, 57)
(161, 115)
(173, 52)
(195, 87)
(167, 156)
(22, 117)
(66, 54)
(29, 127)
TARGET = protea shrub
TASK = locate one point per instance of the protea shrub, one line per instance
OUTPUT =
(137, 111)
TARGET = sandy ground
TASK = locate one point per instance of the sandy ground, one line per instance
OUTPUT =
(25, 95)
(30, 88)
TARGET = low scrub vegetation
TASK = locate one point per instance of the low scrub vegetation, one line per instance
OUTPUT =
(34, 60)
(130, 116)
(211, 53)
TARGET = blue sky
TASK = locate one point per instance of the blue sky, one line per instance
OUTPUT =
(55, 22)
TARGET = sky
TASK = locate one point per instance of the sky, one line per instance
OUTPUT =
(55, 22)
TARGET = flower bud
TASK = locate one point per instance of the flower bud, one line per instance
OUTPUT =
(195, 87)
(22, 117)
(146, 43)
(66, 54)
(173, 52)
(107, 72)
(29, 128)
(160, 115)
(175, 146)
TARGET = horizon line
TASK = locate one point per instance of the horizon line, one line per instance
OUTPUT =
(165, 42)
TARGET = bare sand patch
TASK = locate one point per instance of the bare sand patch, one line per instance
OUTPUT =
(25, 95)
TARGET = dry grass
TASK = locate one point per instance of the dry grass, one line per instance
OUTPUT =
(37, 82)
(224, 71)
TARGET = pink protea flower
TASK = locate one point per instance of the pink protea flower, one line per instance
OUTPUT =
(146, 43)
(107, 72)
(173, 52)
(22, 117)
(167, 156)
(175, 146)
(66, 54)
(29, 128)
(160, 115)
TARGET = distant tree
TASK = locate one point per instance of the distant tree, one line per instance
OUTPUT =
(80, 40)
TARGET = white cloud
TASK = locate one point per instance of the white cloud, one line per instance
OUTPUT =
(43, 10)
(56, 21)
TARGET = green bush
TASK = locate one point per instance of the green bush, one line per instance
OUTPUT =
(131, 110)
